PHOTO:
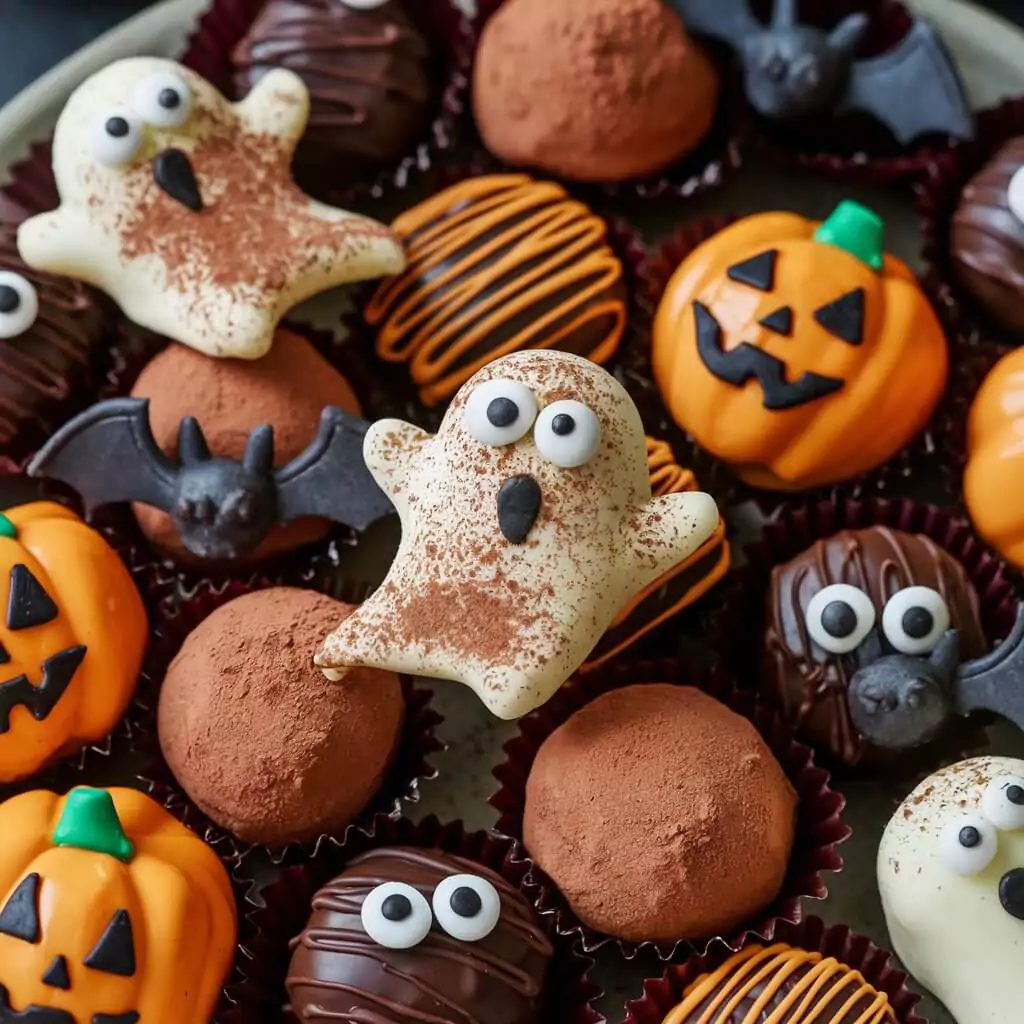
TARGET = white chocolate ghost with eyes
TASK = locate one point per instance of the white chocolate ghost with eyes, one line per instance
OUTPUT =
(181, 206)
(951, 876)
(527, 524)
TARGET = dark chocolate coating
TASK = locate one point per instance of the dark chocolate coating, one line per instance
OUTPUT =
(339, 974)
(986, 240)
(369, 74)
(811, 684)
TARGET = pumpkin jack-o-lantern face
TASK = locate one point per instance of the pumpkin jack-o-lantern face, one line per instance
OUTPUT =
(779, 339)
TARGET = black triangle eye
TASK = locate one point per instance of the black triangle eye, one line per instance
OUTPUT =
(780, 322)
(115, 952)
(844, 318)
(20, 917)
(757, 272)
(29, 604)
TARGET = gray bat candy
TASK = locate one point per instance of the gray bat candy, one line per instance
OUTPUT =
(899, 701)
(222, 508)
(792, 70)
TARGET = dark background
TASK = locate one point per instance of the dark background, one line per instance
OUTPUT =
(36, 34)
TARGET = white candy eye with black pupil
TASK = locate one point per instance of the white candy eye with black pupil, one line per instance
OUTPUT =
(467, 907)
(116, 139)
(915, 619)
(163, 99)
(567, 433)
(839, 617)
(500, 412)
(968, 845)
(19, 304)
(1002, 803)
(396, 916)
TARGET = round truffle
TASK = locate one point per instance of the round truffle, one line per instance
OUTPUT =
(986, 237)
(339, 971)
(257, 736)
(288, 388)
(660, 815)
(591, 90)
(496, 264)
(370, 75)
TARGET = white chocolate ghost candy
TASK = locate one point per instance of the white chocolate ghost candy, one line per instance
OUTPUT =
(181, 206)
(951, 875)
(527, 524)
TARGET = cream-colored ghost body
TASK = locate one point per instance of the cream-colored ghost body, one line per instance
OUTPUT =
(218, 279)
(949, 929)
(515, 620)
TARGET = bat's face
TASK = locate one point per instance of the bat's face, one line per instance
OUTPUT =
(951, 877)
(792, 73)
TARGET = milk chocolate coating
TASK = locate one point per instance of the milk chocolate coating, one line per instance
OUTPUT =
(369, 75)
(809, 682)
(986, 239)
(339, 974)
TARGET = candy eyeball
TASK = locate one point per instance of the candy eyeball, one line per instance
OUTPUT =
(968, 845)
(567, 433)
(163, 99)
(19, 304)
(365, 5)
(1002, 803)
(467, 907)
(500, 412)
(915, 619)
(1015, 194)
(116, 139)
(396, 916)
(839, 617)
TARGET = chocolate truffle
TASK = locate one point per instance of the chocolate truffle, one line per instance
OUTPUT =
(51, 329)
(842, 605)
(407, 936)
(258, 738)
(288, 388)
(660, 815)
(497, 264)
(986, 236)
(591, 90)
(774, 983)
(369, 72)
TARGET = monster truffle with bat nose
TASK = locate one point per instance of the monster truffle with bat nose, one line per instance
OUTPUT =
(527, 524)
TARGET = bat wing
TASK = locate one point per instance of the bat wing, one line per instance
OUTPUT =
(728, 21)
(108, 455)
(330, 478)
(996, 682)
(914, 89)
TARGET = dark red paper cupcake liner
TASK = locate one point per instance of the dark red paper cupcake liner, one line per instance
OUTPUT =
(820, 828)
(284, 906)
(876, 966)
(401, 785)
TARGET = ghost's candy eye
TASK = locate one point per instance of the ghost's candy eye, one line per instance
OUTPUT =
(567, 433)
(500, 412)
(1003, 802)
(163, 99)
(915, 620)
(19, 304)
(1015, 194)
(467, 907)
(968, 845)
(396, 916)
(365, 5)
(839, 617)
(116, 139)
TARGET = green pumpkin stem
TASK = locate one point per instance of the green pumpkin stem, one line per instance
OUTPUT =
(7, 528)
(857, 230)
(90, 822)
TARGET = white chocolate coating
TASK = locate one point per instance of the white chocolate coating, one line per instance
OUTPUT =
(950, 929)
(514, 621)
(218, 279)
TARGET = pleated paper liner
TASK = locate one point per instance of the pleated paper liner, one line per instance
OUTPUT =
(741, 603)
(875, 965)
(820, 828)
(447, 28)
(401, 785)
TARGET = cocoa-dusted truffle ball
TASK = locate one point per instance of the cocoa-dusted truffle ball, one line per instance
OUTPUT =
(288, 388)
(660, 814)
(257, 736)
(591, 90)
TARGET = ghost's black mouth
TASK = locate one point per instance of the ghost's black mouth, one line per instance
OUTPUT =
(519, 501)
(58, 671)
(173, 172)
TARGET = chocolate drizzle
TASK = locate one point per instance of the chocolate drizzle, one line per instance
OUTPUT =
(339, 974)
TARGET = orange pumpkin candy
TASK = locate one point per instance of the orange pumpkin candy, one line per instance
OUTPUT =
(71, 642)
(800, 353)
(111, 912)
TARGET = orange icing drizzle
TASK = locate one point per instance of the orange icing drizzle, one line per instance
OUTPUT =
(824, 982)
(551, 269)
(667, 476)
